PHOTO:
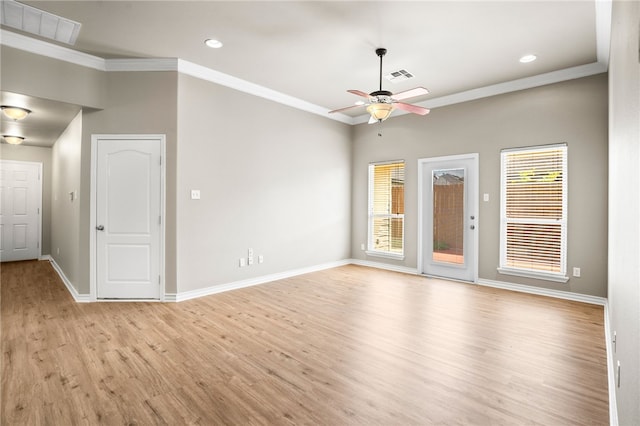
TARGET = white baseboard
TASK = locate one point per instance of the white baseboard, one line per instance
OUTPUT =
(558, 294)
(45, 257)
(192, 294)
(80, 298)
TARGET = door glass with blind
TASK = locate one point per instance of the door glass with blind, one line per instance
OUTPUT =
(533, 234)
(448, 208)
(386, 210)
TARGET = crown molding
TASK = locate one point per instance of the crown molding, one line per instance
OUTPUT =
(50, 50)
(141, 64)
(506, 87)
(213, 76)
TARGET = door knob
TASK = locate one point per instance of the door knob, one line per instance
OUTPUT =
(100, 228)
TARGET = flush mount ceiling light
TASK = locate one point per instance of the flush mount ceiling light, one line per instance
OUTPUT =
(213, 43)
(528, 58)
(13, 140)
(15, 113)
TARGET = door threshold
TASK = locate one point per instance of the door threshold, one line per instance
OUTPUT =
(126, 300)
(448, 279)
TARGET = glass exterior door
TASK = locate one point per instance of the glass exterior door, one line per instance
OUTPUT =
(448, 197)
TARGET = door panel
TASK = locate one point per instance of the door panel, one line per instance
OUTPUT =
(448, 214)
(128, 219)
(20, 207)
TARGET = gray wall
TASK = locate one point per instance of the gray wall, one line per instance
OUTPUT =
(37, 155)
(624, 205)
(574, 112)
(29, 74)
(272, 178)
(135, 103)
(65, 212)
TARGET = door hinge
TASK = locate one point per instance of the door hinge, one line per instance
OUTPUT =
(161, 160)
(158, 279)
(159, 220)
(38, 211)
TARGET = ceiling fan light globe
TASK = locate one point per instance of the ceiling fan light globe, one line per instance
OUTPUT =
(380, 111)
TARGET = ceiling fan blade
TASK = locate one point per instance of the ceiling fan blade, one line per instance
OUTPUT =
(345, 108)
(411, 108)
(411, 93)
(359, 93)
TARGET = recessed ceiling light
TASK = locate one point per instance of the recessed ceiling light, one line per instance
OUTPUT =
(213, 43)
(528, 58)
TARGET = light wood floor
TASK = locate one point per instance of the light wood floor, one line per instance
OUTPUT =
(346, 346)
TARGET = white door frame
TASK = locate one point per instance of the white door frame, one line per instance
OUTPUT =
(422, 163)
(93, 208)
(40, 212)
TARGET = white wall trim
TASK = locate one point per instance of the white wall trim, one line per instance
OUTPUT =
(611, 372)
(506, 87)
(558, 294)
(192, 294)
(141, 64)
(80, 298)
(213, 76)
(50, 50)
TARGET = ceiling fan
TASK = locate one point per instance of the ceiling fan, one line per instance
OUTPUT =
(382, 102)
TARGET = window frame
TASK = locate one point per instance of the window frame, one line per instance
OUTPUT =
(371, 250)
(503, 268)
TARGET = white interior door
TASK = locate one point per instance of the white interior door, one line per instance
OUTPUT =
(128, 195)
(20, 207)
(449, 217)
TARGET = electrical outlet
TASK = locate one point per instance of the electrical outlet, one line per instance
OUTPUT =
(576, 272)
(241, 262)
(249, 261)
(260, 259)
(195, 194)
(250, 252)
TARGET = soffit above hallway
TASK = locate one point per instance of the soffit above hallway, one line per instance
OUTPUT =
(316, 50)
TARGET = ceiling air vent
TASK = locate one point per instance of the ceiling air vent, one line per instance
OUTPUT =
(398, 76)
(35, 21)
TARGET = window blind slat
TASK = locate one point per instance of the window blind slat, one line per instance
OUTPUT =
(386, 207)
(533, 209)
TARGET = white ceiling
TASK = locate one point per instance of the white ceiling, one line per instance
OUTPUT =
(316, 50)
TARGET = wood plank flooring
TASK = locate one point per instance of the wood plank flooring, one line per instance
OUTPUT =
(346, 346)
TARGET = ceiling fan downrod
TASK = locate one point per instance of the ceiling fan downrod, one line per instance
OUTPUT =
(381, 52)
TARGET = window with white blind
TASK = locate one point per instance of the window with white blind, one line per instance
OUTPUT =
(533, 210)
(386, 210)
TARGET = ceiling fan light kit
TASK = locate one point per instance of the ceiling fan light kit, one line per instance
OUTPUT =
(383, 102)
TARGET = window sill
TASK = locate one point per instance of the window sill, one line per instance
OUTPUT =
(386, 255)
(547, 276)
